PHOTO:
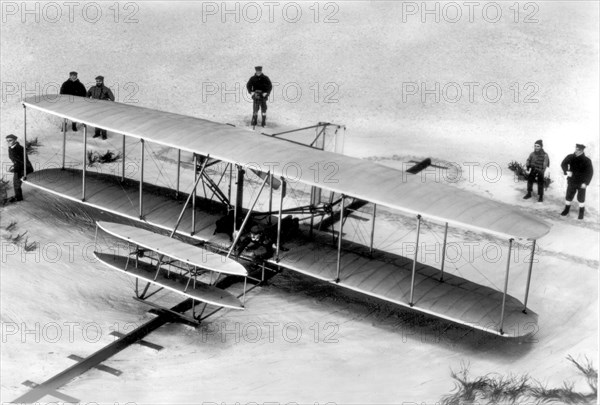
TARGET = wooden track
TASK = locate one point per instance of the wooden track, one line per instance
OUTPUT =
(387, 277)
(145, 272)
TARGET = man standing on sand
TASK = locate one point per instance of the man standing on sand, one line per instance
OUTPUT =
(260, 87)
(579, 171)
(537, 163)
(73, 87)
(15, 154)
(100, 92)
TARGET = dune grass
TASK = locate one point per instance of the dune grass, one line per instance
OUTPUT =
(495, 388)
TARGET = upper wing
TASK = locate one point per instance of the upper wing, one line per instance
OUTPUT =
(350, 176)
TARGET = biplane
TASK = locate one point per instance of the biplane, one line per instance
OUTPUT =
(320, 248)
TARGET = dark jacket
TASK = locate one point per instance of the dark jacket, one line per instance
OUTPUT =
(100, 93)
(73, 88)
(259, 83)
(15, 154)
(538, 161)
(581, 166)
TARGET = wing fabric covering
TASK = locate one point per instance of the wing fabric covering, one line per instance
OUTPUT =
(350, 176)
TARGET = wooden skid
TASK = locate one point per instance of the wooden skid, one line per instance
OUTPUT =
(174, 248)
(145, 272)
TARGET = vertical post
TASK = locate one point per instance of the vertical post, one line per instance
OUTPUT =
(84, 162)
(279, 218)
(339, 252)
(247, 217)
(64, 128)
(194, 194)
(178, 172)
(230, 180)
(239, 198)
(510, 242)
(123, 161)
(244, 297)
(142, 182)
(444, 251)
(529, 277)
(270, 198)
(312, 206)
(373, 230)
(414, 266)
(24, 142)
(188, 199)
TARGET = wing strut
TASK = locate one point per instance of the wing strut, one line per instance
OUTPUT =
(188, 199)
(510, 243)
(529, 277)
(237, 236)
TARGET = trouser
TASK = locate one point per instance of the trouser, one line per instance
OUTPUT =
(575, 188)
(534, 176)
(99, 132)
(259, 103)
(17, 186)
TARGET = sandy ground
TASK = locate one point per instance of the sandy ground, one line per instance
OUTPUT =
(300, 340)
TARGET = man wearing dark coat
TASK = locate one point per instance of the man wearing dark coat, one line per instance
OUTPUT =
(73, 87)
(579, 171)
(100, 92)
(259, 86)
(537, 163)
(15, 154)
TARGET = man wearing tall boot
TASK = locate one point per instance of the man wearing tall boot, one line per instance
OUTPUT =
(100, 92)
(537, 163)
(579, 171)
(21, 165)
(73, 87)
(259, 86)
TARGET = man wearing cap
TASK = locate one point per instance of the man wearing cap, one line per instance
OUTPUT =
(259, 86)
(537, 163)
(579, 171)
(15, 154)
(100, 92)
(73, 87)
(258, 243)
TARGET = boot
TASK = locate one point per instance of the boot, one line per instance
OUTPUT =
(581, 211)
(527, 196)
(264, 120)
(566, 210)
(74, 127)
(254, 119)
(541, 198)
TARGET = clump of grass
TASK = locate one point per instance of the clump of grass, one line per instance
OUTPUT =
(589, 372)
(31, 146)
(108, 157)
(30, 247)
(16, 239)
(519, 170)
(10, 227)
(522, 175)
(3, 190)
(497, 389)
